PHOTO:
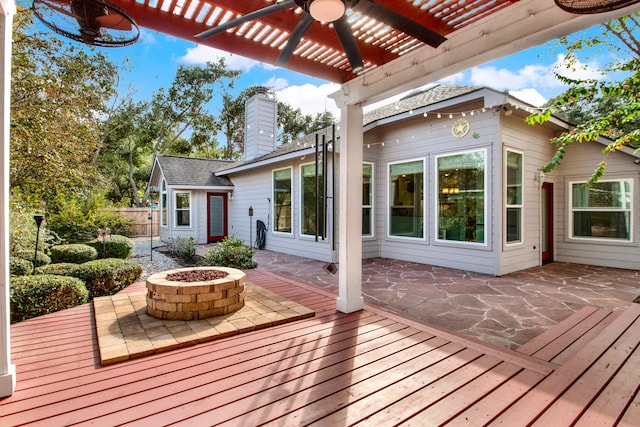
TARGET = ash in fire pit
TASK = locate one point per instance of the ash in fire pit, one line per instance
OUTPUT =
(196, 275)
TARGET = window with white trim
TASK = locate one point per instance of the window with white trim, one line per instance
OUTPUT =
(367, 199)
(513, 197)
(602, 210)
(183, 209)
(311, 196)
(406, 199)
(163, 203)
(462, 191)
(282, 200)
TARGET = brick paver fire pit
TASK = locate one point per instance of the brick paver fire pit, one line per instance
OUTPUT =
(195, 293)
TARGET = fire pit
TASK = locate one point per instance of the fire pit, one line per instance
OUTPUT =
(195, 293)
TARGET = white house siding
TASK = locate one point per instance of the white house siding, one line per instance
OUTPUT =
(424, 138)
(580, 161)
(533, 143)
(255, 190)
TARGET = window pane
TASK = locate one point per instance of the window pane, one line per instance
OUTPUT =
(182, 218)
(406, 199)
(514, 197)
(182, 200)
(461, 196)
(366, 222)
(602, 210)
(282, 200)
(610, 225)
(163, 208)
(513, 224)
(367, 185)
(312, 197)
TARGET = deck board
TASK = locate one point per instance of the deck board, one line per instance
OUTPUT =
(369, 367)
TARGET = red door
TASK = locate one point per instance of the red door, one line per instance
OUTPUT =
(217, 216)
(547, 222)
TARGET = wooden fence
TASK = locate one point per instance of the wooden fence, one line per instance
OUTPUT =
(142, 224)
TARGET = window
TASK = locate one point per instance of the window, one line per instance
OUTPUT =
(163, 204)
(367, 199)
(312, 197)
(513, 195)
(183, 209)
(282, 200)
(601, 211)
(461, 197)
(406, 201)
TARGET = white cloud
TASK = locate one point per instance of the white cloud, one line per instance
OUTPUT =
(577, 70)
(277, 83)
(311, 99)
(200, 54)
(530, 96)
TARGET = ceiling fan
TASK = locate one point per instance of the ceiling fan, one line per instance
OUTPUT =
(94, 22)
(333, 11)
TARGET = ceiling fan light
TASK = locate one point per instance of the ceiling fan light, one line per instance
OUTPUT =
(592, 6)
(326, 10)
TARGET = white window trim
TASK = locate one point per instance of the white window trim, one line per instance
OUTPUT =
(507, 206)
(487, 200)
(164, 210)
(175, 209)
(570, 211)
(301, 210)
(373, 201)
(424, 200)
(273, 207)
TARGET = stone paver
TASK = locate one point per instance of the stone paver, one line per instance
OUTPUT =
(125, 331)
(507, 311)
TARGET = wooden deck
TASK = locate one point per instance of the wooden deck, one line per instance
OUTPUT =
(370, 367)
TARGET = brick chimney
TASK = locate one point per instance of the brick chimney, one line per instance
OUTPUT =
(260, 118)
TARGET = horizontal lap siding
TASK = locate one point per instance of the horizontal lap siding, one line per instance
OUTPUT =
(534, 143)
(422, 138)
(580, 161)
(253, 189)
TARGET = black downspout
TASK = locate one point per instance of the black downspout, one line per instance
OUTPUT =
(316, 190)
(324, 186)
(333, 186)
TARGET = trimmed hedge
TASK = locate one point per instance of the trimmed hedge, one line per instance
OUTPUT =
(101, 277)
(33, 296)
(20, 266)
(76, 253)
(231, 253)
(115, 246)
(41, 257)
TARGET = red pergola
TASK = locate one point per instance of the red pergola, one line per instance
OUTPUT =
(319, 53)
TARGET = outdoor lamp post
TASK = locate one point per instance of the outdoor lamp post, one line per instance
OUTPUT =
(38, 219)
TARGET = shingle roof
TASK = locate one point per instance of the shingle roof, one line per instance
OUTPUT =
(422, 98)
(194, 172)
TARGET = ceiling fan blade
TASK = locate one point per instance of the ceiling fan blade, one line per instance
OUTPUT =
(114, 21)
(60, 9)
(399, 22)
(348, 41)
(294, 39)
(246, 18)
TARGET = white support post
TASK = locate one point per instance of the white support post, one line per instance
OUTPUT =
(350, 211)
(7, 369)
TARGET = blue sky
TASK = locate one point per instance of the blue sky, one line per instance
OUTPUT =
(154, 59)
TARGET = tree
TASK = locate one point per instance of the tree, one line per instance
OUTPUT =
(175, 120)
(58, 96)
(609, 107)
(231, 119)
(294, 125)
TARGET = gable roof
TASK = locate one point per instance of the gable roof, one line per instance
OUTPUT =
(193, 172)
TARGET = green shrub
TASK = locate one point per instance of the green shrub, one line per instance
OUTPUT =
(107, 276)
(115, 246)
(22, 232)
(20, 266)
(41, 257)
(59, 269)
(182, 246)
(231, 253)
(76, 253)
(33, 296)
(78, 220)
